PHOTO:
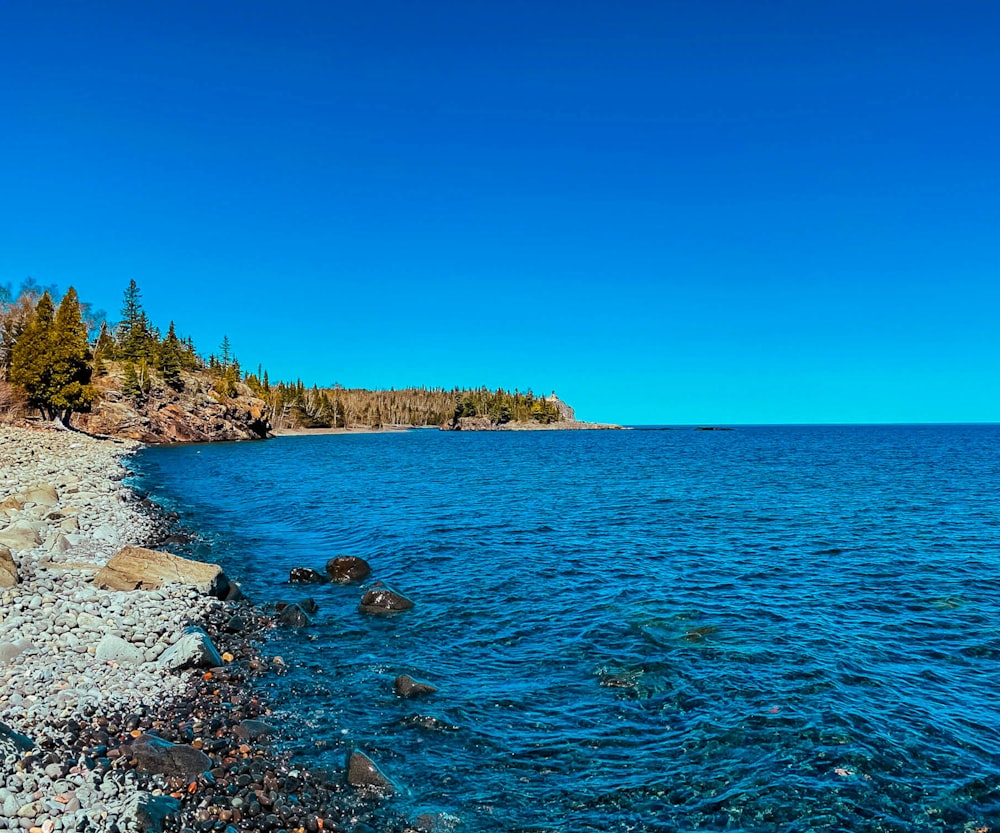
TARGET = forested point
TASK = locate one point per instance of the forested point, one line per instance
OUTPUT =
(60, 357)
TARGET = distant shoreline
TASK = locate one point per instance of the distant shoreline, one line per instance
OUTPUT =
(563, 425)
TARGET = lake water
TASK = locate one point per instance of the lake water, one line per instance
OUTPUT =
(765, 629)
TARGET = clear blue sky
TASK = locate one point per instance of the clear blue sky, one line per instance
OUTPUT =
(699, 212)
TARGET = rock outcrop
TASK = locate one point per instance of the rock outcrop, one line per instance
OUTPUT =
(196, 413)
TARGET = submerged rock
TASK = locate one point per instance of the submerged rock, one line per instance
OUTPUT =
(406, 686)
(293, 616)
(305, 575)
(384, 600)
(364, 774)
(346, 569)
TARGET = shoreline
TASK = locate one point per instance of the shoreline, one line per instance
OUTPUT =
(98, 731)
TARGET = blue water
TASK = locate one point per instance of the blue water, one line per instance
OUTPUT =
(769, 629)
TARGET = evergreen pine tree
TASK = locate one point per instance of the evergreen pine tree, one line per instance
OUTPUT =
(171, 359)
(70, 388)
(104, 349)
(31, 359)
(135, 339)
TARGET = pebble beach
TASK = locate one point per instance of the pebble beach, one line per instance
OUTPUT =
(109, 719)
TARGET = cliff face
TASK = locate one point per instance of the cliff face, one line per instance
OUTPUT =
(163, 415)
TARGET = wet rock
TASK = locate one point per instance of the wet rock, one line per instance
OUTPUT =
(153, 754)
(364, 774)
(236, 624)
(138, 568)
(406, 686)
(147, 812)
(305, 575)
(309, 605)
(8, 569)
(194, 649)
(253, 729)
(293, 616)
(346, 569)
(384, 600)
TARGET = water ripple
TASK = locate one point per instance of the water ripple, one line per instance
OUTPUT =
(768, 629)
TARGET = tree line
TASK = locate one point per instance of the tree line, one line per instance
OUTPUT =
(54, 354)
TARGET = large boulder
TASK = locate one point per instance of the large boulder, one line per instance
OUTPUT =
(345, 569)
(137, 568)
(152, 754)
(20, 536)
(8, 569)
(113, 648)
(383, 600)
(194, 649)
(42, 494)
(364, 774)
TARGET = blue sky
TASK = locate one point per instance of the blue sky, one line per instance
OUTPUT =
(721, 212)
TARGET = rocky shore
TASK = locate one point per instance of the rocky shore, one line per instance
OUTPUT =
(126, 701)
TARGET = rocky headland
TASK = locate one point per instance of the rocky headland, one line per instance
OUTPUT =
(191, 412)
(126, 696)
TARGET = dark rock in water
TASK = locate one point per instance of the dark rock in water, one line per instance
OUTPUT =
(153, 754)
(147, 812)
(406, 686)
(309, 605)
(384, 600)
(305, 575)
(362, 773)
(293, 616)
(345, 569)
(428, 722)
(253, 729)
(13, 746)
(698, 634)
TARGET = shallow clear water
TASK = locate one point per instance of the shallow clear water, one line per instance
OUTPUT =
(775, 628)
